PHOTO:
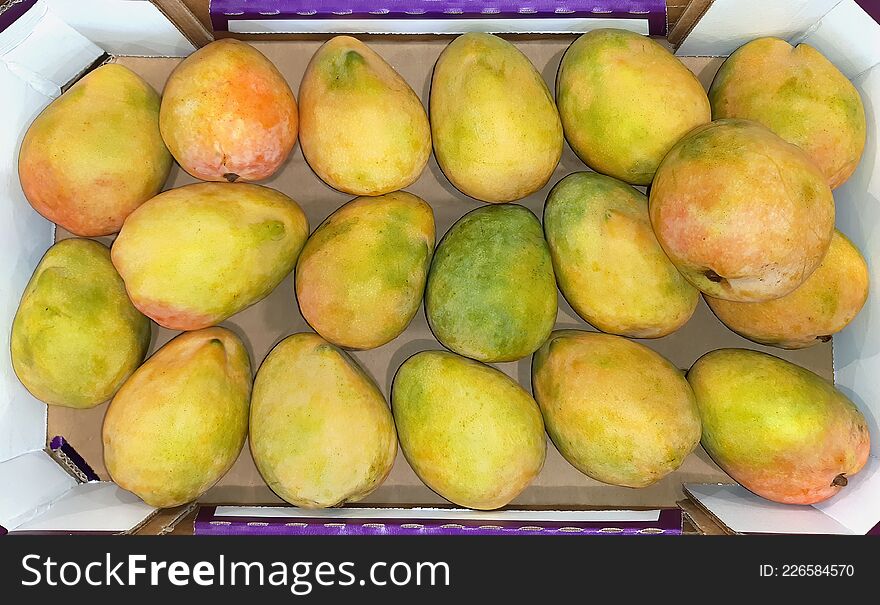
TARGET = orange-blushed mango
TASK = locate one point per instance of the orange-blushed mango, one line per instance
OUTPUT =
(778, 429)
(820, 307)
(178, 424)
(195, 255)
(607, 261)
(491, 293)
(76, 337)
(496, 131)
(615, 409)
(743, 214)
(624, 101)
(95, 153)
(362, 128)
(800, 95)
(321, 433)
(361, 275)
(469, 431)
(228, 113)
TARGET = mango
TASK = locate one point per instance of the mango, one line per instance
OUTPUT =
(742, 214)
(228, 114)
(624, 101)
(800, 95)
(616, 410)
(497, 135)
(321, 433)
(76, 337)
(822, 306)
(491, 293)
(95, 153)
(779, 430)
(607, 261)
(362, 128)
(361, 276)
(178, 424)
(471, 433)
(193, 256)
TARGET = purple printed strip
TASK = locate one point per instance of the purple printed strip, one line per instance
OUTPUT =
(60, 443)
(207, 523)
(222, 11)
(12, 10)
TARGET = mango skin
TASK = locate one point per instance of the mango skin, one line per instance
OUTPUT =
(471, 433)
(496, 132)
(800, 95)
(491, 293)
(742, 214)
(778, 429)
(76, 337)
(361, 276)
(95, 153)
(822, 306)
(178, 424)
(228, 114)
(321, 433)
(193, 256)
(362, 128)
(607, 261)
(616, 410)
(624, 101)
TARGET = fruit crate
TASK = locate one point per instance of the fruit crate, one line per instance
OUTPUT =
(51, 482)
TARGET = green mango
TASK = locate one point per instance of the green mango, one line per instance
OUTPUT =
(491, 293)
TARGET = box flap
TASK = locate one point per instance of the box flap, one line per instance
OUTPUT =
(848, 36)
(745, 513)
(29, 485)
(728, 24)
(124, 27)
(436, 16)
(91, 507)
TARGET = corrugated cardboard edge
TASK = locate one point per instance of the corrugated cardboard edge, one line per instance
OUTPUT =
(688, 20)
(701, 519)
(179, 14)
(166, 521)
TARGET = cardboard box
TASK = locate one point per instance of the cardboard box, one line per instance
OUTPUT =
(48, 485)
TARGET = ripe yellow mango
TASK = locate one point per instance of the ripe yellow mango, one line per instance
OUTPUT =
(778, 429)
(608, 262)
(95, 153)
(361, 275)
(362, 128)
(178, 424)
(228, 113)
(496, 131)
(800, 95)
(624, 101)
(616, 410)
(821, 306)
(470, 432)
(196, 255)
(321, 432)
(76, 337)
